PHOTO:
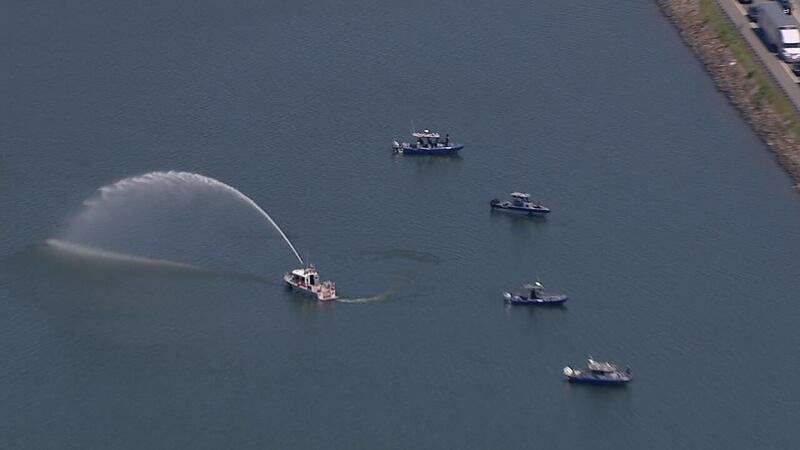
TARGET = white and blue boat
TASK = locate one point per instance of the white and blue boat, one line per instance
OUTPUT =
(536, 296)
(598, 372)
(427, 143)
(520, 202)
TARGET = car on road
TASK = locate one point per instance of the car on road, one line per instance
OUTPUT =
(752, 12)
(786, 5)
(796, 69)
(779, 32)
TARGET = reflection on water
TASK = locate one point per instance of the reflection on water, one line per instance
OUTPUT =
(429, 162)
(600, 396)
(535, 311)
(518, 219)
(306, 306)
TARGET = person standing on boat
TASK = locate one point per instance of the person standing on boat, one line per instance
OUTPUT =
(447, 139)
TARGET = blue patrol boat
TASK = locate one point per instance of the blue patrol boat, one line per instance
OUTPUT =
(535, 296)
(598, 372)
(427, 143)
(520, 202)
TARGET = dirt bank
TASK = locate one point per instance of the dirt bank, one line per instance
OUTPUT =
(735, 82)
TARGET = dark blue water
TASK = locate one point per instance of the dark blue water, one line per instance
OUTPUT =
(673, 231)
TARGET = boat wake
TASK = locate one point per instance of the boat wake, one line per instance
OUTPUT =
(372, 299)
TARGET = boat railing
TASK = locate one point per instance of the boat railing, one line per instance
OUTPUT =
(601, 366)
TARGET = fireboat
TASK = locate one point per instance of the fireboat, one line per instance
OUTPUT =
(307, 281)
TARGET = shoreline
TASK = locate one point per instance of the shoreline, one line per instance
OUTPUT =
(744, 88)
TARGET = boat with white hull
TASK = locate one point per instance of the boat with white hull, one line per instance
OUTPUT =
(536, 296)
(307, 280)
(520, 202)
(598, 372)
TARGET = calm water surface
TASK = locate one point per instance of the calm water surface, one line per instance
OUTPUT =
(673, 231)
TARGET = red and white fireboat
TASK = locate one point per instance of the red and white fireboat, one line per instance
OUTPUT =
(307, 280)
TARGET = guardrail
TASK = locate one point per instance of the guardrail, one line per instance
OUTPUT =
(792, 99)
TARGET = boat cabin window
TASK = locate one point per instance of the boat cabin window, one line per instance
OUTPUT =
(312, 280)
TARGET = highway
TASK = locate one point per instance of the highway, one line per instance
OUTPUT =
(779, 70)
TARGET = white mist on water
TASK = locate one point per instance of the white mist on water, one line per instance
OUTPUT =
(176, 180)
(88, 252)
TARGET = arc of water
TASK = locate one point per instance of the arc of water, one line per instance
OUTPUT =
(188, 177)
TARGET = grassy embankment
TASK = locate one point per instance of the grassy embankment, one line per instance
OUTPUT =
(768, 91)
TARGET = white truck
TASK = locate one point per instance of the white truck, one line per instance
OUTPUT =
(780, 31)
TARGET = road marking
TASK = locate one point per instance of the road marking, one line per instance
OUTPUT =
(788, 71)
